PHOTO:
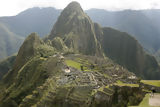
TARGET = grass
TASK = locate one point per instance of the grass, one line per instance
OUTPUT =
(77, 64)
(42, 58)
(101, 89)
(29, 96)
(151, 82)
(108, 88)
(145, 101)
(106, 76)
(120, 83)
(145, 90)
(73, 64)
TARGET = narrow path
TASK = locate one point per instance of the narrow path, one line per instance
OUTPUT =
(155, 101)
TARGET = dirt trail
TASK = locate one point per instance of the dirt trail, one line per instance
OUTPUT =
(155, 101)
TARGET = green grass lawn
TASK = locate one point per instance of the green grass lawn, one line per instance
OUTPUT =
(120, 83)
(145, 101)
(151, 82)
(73, 64)
(77, 64)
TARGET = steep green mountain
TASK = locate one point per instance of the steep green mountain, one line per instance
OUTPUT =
(76, 28)
(9, 42)
(125, 50)
(32, 46)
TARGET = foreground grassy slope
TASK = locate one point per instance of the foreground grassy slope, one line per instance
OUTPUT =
(144, 102)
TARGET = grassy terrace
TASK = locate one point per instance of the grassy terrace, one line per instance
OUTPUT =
(78, 63)
(73, 64)
(120, 83)
(101, 89)
(151, 82)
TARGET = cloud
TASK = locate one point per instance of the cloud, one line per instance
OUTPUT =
(12, 7)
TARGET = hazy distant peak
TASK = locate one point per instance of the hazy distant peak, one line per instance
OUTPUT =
(73, 7)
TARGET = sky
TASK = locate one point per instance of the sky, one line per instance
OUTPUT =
(13, 7)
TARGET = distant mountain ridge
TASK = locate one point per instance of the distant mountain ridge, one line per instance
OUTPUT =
(41, 19)
(146, 31)
(142, 24)
(31, 20)
(9, 41)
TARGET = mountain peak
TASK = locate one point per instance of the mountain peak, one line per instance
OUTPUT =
(27, 50)
(74, 8)
(76, 28)
(74, 5)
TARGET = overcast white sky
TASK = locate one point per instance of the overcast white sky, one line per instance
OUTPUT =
(12, 7)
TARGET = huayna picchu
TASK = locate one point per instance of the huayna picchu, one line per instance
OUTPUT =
(79, 64)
